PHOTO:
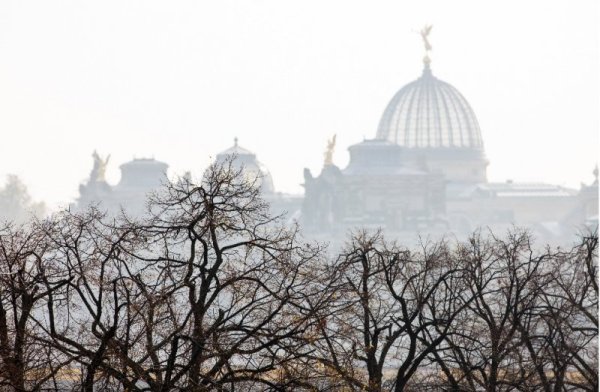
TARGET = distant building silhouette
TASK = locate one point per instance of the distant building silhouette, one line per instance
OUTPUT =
(139, 177)
(425, 171)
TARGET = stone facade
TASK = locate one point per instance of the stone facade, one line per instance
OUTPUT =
(376, 189)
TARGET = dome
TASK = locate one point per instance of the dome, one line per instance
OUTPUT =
(430, 113)
(252, 168)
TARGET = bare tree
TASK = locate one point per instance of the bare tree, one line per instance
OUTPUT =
(392, 312)
(519, 331)
(207, 293)
(26, 363)
(84, 319)
(210, 292)
(570, 318)
(16, 204)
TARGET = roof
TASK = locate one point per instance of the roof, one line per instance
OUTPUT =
(511, 189)
(236, 150)
(145, 163)
(427, 113)
(378, 157)
(143, 172)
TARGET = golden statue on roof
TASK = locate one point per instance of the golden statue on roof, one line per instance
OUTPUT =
(425, 31)
(329, 151)
(99, 170)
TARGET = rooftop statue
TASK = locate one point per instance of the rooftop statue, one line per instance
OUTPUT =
(329, 151)
(425, 31)
(99, 170)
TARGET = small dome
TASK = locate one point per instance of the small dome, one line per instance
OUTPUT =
(430, 113)
(253, 169)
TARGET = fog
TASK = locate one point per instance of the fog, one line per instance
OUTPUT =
(178, 81)
(344, 195)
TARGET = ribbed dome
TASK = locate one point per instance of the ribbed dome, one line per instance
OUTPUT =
(430, 113)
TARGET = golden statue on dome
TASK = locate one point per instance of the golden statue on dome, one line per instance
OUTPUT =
(425, 31)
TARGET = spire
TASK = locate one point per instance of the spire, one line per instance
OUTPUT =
(596, 175)
(235, 141)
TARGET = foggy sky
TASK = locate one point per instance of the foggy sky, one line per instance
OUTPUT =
(178, 80)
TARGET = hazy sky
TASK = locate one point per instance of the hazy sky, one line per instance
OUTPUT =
(178, 80)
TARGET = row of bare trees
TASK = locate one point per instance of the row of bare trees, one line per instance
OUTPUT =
(210, 292)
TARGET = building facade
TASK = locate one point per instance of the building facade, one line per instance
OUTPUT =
(423, 172)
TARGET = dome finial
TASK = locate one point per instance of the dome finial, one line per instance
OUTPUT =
(425, 31)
